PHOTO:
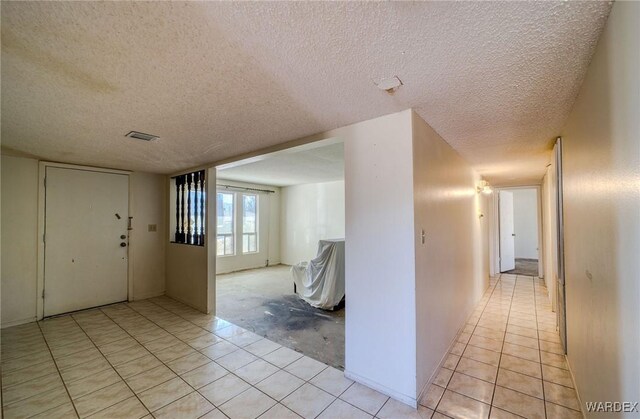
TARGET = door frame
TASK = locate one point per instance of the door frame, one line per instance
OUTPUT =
(494, 229)
(42, 172)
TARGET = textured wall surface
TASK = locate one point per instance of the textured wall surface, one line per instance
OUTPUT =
(451, 268)
(310, 213)
(147, 203)
(217, 79)
(380, 285)
(19, 239)
(601, 172)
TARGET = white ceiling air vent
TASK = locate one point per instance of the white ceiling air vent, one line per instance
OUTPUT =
(141, 136)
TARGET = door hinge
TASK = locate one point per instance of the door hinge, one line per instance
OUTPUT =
(43, 294)
(44, 238)
(45, 182)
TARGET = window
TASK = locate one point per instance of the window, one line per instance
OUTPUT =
(241, 237)
(225, 223)
(190, 208)
(249, 224)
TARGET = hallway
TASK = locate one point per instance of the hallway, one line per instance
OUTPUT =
(507, 362)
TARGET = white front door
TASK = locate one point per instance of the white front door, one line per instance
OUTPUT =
(507, 235)
(86, 217)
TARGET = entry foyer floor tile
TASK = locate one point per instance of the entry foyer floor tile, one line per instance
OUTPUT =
(160, 357)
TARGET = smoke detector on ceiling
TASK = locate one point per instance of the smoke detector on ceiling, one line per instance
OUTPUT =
(389, 85)
(141, 136)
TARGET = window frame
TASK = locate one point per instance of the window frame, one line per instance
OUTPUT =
(234, 228)
(256, 231)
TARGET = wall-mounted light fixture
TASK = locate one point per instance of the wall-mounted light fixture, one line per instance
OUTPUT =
(484, 187)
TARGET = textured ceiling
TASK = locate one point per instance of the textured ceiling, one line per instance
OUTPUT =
(311, 165)
(217, 79)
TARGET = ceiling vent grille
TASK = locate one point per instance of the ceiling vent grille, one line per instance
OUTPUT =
(141, 136)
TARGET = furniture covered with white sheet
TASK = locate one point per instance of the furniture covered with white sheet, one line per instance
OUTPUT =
(320, 282)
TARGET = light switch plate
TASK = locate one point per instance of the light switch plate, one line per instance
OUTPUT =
(153, 227)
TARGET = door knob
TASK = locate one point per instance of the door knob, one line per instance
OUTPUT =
(123, 244)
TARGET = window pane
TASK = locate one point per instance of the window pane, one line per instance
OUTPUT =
(225, 213)
(228, 245)
(249, 243)
(220, 245)
(249, 211)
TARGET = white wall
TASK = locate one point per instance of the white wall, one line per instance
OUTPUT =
(380, 329)
(147, 248)
(190, 270)
(452, 266)
(187, 271)
(310, 213)
(268, 230)
(601, 172)
(20, 237)
(525, 222)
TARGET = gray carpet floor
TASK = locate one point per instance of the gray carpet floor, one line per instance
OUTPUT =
(525, 267)
(262, 301)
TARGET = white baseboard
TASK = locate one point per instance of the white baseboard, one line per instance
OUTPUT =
(451, 345)
(145, 295)
(18, 322)
(247, 268)
(408, 400)
(440, 365)
(575, 386)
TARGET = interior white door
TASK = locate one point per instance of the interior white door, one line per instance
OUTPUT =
(86, 217)
(507, 234)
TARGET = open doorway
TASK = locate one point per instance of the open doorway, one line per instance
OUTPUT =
(275, 215)
(519, 231)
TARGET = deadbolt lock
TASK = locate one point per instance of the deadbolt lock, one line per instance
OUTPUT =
(123, 237)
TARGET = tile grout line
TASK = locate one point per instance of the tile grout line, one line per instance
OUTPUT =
(435, 409)
(159, 360)
(261, 358)
(47, 350)
(515, 356)
(59, 374)
(230, 372)
(122, 323)
(506, 327)
(535, 307)
(112, 367)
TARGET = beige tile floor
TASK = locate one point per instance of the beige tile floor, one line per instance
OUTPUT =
(507, 362)
(163, 359)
